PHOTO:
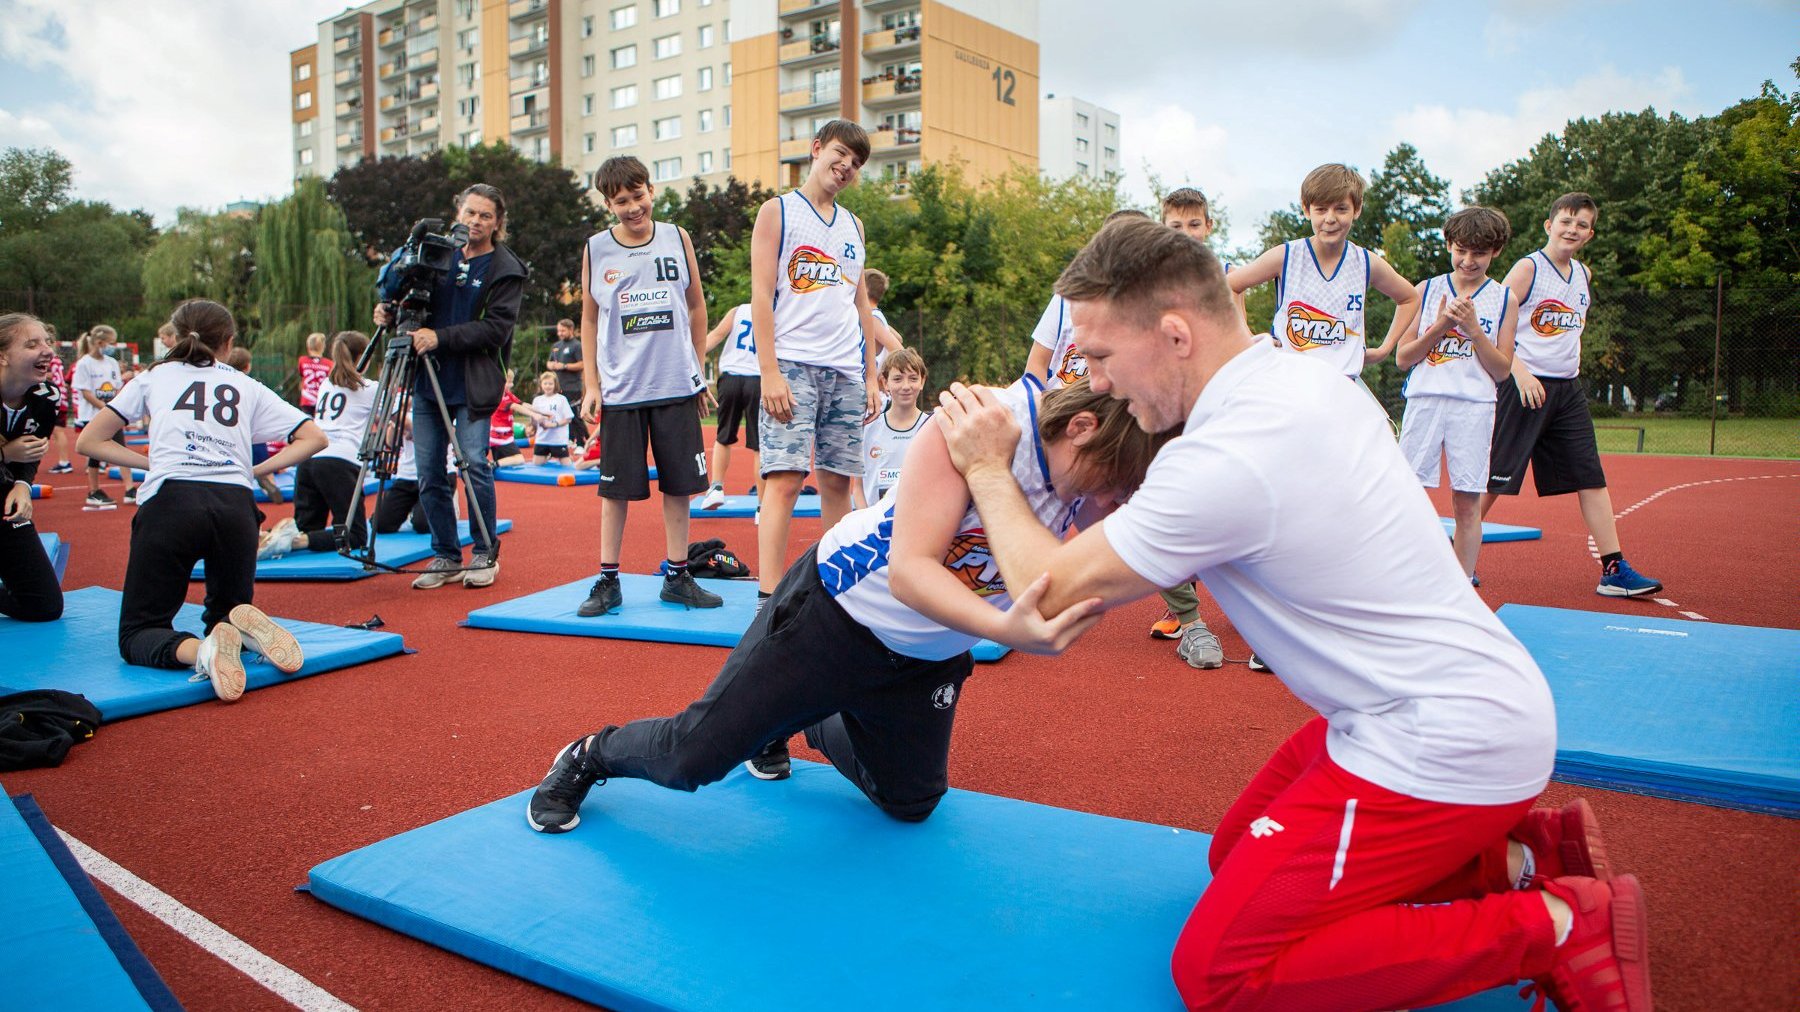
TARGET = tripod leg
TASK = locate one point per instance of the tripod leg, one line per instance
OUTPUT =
(477, 520)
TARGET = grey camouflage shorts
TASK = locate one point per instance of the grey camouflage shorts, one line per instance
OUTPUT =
(826, 430)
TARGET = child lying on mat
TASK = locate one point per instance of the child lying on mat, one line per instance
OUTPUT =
(874, 683)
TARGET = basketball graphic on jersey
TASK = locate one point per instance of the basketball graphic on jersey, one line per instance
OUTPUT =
(970, 560)
(107, 391)
(611, 275)
(1553, 317)
(811, 269)
(1310, 327)
(1072, 367)
(1450, 347)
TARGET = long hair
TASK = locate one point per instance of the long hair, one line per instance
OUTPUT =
(14, 324)
(1119, 452)
(204, 330)
(346, 350)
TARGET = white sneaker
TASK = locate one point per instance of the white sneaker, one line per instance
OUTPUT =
(482, 571)
(262, 635)
(438, 573)
(221, 661)
(1199, 647)
(278, 541)
(715, 497)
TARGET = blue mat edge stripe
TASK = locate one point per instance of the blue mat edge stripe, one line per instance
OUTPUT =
(149, 983)
(351, 570)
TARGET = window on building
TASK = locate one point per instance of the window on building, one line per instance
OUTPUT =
(469, 138)
(303, 100)
(1112, 154)
(303, 72)
(665, 8)
(1081, 144)
(467, 38)
(728, 115)
(668, 87)
(667, 46)
(624, 136)
(705, 126)
(587, 65)
(903, 19)
(665, 169)
(624, 96)
(624, 17)
(706, 36)
(465, 74)
(587, 144)
(1081, 168)
(1112, 130)
(622, 57)
(465, 9)
(306, 156)
(728, 73)
(1081, 120)
(703, 79)
(727, 159)
(468, 106)
(667, 129)
(587, 104)
(587, 27)
(705, 162)
(306, 127)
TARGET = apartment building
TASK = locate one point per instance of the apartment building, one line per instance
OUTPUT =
(575, 80)
(1077, 138)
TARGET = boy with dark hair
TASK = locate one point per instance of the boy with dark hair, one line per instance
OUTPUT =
(643, 334)
(1462, 346)
(886, 439)
(1541, 417)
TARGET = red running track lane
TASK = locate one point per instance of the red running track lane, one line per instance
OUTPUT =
(226, 807)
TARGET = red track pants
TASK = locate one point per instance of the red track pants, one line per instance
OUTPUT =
(1330, 892)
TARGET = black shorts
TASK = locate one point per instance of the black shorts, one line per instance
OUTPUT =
(559, 451)
(1557, 440)
(503, 451)
(740, 400)
(670, 431)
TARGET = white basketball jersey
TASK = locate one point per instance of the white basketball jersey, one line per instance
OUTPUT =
(343, 415)
(1055, 330)
(1551, 319)
(853, 555)
(553, 406)
(1323, 316)
(644, 348)
(884, 451)
(737, 357)
(203, 420)
(1450, 368)
(818, 267)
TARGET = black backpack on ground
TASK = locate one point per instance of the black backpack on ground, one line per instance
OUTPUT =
(710, 559)
(37, 728)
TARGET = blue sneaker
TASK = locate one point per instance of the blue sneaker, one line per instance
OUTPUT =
(1620, 580)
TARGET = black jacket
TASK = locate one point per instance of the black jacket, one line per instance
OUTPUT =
(37, 419)
(485, 343)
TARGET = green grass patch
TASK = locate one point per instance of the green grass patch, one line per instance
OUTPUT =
(1737, 437)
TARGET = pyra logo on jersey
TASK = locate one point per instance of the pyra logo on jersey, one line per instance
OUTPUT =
(811, 268)
(970, 560)
(1451, 347)
(611, 275)
(1072, 367)
(1309, 327)
(1552, 317)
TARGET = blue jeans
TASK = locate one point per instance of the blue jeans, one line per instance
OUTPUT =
(430, 444)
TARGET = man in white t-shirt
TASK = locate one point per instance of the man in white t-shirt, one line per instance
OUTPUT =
(1388, 856)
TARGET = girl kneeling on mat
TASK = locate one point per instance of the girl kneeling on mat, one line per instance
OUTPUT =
(196, 504)
(29, 590)
(328, 504)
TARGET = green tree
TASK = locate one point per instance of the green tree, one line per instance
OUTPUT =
(1403, 191)
(382, 197)
(73, 262)
(205, 255)
(718, 218)
(34, 183)
(309, 273)
(548, 221)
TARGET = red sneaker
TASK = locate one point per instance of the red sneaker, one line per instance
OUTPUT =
(1604, 966)
(1564, 841)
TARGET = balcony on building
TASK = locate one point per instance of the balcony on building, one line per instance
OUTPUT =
(348, 75)
(530, 122)
(390, 36)
(423, 126)
(350, 107)
(345, 43)
(893, 140)
(808, 99)
(801, 8)
(887, 42)
(522, 83)
(423, 60)
(393, 67)
(796, 149)
(518, 10)
(397, 132)
(809, 49)
(424, 91)
(350, 139)
(884, 90)
(427, 23)
(528, 45)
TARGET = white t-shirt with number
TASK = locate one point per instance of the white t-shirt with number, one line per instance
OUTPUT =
(102, 378)
(556, 406)
(738, 356)
(343, 414)
(203, 420)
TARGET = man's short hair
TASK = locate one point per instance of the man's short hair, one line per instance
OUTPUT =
(618, 174)
(1144, 269)
(565, 322)
(876, 282)
(1574, 203)
(1124, 212)
(1184, 197)
(850, 134)
(1481, 229)
(1328, 184)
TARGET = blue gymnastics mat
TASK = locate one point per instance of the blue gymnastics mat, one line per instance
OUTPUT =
(992, 903)
(58, 550)
(401, 548)
(284, 481)
(60, 945)
(1491, 533)
(738, 507)
(546, 474)
(1695, 711)
(644, 616)
(81, 654)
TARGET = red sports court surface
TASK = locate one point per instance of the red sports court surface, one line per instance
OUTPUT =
(226, 807)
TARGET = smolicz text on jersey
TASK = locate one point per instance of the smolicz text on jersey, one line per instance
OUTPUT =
(642, 310)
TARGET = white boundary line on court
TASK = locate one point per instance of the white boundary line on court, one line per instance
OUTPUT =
(285, 983)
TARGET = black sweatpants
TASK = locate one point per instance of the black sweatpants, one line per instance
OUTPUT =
(29, 591)
(182, 523)
(398, 504)
(323, 491)
(883, 719)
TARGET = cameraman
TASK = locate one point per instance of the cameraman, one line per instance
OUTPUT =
(473, 309)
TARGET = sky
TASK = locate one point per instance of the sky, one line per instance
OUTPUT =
(168, 103)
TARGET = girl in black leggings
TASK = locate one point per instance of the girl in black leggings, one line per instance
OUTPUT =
(29, 590)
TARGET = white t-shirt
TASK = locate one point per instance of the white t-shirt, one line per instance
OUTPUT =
(343, 415)
(1450, 368)
(737, 357)
(819, 265)
(102, 378)
(1055, 330)
(203, 420)
(884, 451)
(1286, 495)
(557, 407)
(1552, 317)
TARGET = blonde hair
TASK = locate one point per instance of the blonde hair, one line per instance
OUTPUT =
(904, 360)
(546, 375)
(1328, 184)
(101, 330)
(315, 344)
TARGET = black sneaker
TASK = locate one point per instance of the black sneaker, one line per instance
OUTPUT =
(556, 804)
(63, 468)
(99, 500)
(680, 588)
(772, 763)
(131, 496)
(1256, 664)
(604, 597)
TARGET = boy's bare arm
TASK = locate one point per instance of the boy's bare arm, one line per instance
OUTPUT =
(765, 247)
(1416, 344)
(1384, 279)
(716, 336)
(1038, 362)
(1520, 279)
(590, 329)
(1496, 355)
(1260, 271)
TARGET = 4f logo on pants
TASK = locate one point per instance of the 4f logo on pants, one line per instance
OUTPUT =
(1265, 826)
(945, 696)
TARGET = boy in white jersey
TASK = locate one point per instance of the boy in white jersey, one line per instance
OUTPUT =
(1541, 417)
(643, 334)
(871, 681)
(96, 381)
(1461, 347)
(811, 314)
(1388, 856)
(886, 439)
(740, 399)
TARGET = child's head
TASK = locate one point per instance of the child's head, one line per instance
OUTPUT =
(625, 188)
(239, 359)
(315, 344)
(205, 330)
(166, 336)
(877, 284)
(347, 348)
(1474, 237)
(1186, 210)
(100, 338)
(1332, 196)
(26, 353)
(546, 382)
(1112, 452)
(838, 153)
(1570, 226)
(903, 376)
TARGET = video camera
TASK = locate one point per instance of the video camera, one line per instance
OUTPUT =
(409, 278)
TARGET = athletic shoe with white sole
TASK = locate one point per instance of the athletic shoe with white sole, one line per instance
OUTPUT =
(483, 569)
(715, 497)
(63, 468)
(262, 635)
(1620, 580)
(278, 541)
(438, 573)
(772, 763)
(131, 496)
(221, 662)
(1166, 628)
(1199, 647)
(1256, 664)
(98, 500)
(555, 806)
